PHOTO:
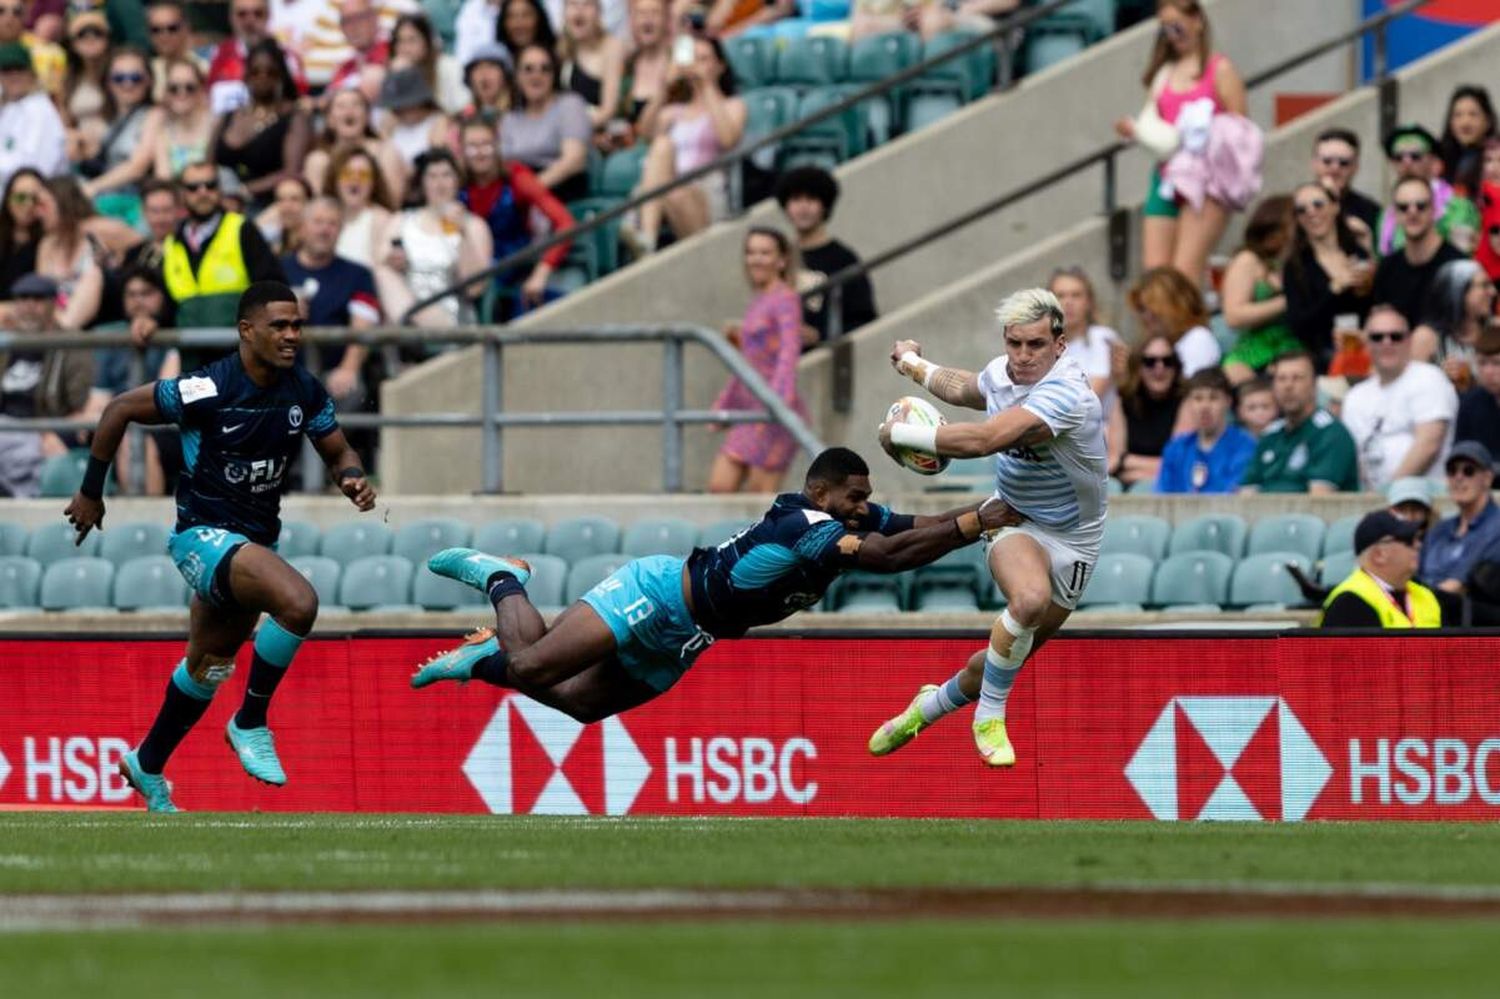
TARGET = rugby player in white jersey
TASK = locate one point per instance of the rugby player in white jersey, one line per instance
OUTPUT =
(1046, 432)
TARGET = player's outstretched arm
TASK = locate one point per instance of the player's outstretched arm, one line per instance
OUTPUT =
(86, 511)
(968, 440)
(921, 545)
(954, 386)
(348, 471)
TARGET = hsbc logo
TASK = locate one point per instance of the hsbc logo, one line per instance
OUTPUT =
(532, 759)
(1234, 758)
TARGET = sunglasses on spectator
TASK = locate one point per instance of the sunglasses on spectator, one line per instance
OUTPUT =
(1381, 336)
(22, 198)
(1158, 361)
(166, 29)
(1463, 470)
(1337, 161)
(179, 89)
(200, 185)
(1315, 205)
(127, 79)
(1413, 206)
(1410, 542)
(89, 31)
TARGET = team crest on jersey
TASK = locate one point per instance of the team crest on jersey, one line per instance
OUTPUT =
(294, 416)
(1298, 458)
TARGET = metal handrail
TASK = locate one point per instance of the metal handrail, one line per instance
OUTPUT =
(745, 150)
(672, 416)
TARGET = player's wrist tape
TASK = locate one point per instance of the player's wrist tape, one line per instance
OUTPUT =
(917, 369)
(922, 439)
(968, 525)
(351, 473)
(93, 478)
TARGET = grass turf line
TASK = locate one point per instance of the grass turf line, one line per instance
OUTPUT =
(78, 852)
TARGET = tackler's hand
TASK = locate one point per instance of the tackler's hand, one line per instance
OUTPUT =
(359, 491)
(995, 513)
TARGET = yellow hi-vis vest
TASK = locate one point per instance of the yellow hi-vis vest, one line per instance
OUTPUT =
(221, 271)
(1424, 606)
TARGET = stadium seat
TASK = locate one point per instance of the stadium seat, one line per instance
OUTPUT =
(1263, 579)
(1136, 535)
(620, 173)
(720, 531)
(150, 582)
(1214, 532)
(879, 57)
(867, 593)
(12, 539)
(769, 108)
(753, 60)
(1101, 15)
(75, 583)
(580, 537)
(1120, 579)
(62, 474)
(54, 542)
(972, 73)
(549, 580)
(1142, 487)
(433, 592)
(323, 573)
(129, 541)
(589, 570)
(829, 142)
(1193, 578)
(1340, 534)
(500, 537)
(605, 245)
(817, 61)
(20, 578)
(663, 536)
(1336, 567)
(420, 539)
(1055, 39)
(355, 540)
(953, 582)
(1288, 532)
(376, 581)
(298, 538)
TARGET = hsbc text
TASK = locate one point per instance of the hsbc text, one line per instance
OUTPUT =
(724, 770)
(1419, 771)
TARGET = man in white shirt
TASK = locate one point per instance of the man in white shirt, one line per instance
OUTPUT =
(1401, 418)
(31, 131)
(1046, 432)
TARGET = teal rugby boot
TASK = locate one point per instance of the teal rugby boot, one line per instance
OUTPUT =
(155, 788)
(256, 749)
(474, 567)
(457, 664)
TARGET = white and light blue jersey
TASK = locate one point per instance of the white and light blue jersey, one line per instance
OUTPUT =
(1058, 484)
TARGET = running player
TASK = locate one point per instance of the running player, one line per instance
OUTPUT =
(633, 636)
(243, 419)
(1046, 433)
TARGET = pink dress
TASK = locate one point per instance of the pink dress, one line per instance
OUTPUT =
(1169, 103)
(771, 340)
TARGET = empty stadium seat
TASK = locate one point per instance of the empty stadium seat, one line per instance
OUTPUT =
(130, 541)
(662, 536)
(54, 542)
(620, 173)
(867, 593)
(1262, 579)
(831, 141)
(355, 540)
(604, 245)
(1336, 567)
(1214, 532)
(953, 582)
(1340, 534)
(817, 61)
(433, 592)
(1194, 578)
(12, 539)
(1287, 532)
(297, 538)
(323, 573)
(753, 59)
(973, 73)
(376, 581)
(1055, 39)
(150, 582)
(75, 583)
(720, 531)
(420, 539)
(589, 570)
(549, 580)
(580, 537)
(878, 57)
(20, 579)
(1121, 580)
(1136, 535)
(63, 473)
(500, 537)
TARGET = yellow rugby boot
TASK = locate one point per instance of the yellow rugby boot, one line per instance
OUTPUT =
(993, 744)
(903, 728)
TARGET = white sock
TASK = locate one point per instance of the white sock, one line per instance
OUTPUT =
(945, 700)
(1000, 671)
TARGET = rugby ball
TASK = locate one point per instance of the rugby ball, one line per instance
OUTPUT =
(918, 412)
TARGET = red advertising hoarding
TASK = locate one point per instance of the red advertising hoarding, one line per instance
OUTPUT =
(1147, 726)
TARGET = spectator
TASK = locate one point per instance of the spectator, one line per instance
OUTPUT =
(66, 255)
(1328, 273)
(147, 308)
(415, 124)
(475, 29)
(47, 60)
(20, 229)
(1403, 279)
(522, 23)
(1098, 347)
(1456, 544)
(1210, 458)
(355, 179)
(364, 70)
(1307, 450)
(333, 292)
(265, 141)
(413, 43)
(83, 89)
(31, 131)
(649, 63)
(1479, 407)
(725, 18)
(1254, 406)
(1460, 307)
(548, 131)
(1254, 302)
(1381, 591)
(1470, 123)
(1168, 305)
(127, 152)
(593, 60)
(754, 456)
(281, 222)
(693, 122)
(1188, 83)
(45, 20)
(229, 67)
(807, 196)
(1147, 413)
(1335, 165)
(171, 41)
(1411, 499)
(348, 127)
(1411, 150)
(507, 196)
(431, 247)
(161, 209)
(187, 125)
(1402, 418)
(487, 74)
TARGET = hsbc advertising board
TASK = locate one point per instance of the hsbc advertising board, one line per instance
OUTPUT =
(1247, 728)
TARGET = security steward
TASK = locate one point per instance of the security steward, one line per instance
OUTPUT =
(1380, 592)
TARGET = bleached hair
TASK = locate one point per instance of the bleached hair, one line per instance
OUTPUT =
(1024, 307)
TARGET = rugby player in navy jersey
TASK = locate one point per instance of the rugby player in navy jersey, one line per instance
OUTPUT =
(633, 636)
(243, 418)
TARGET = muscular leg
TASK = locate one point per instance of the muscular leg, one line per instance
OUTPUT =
(261, 581)
(602, 690)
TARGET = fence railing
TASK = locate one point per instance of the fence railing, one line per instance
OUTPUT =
(492, 419)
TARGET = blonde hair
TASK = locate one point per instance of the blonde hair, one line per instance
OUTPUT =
(1022, 308)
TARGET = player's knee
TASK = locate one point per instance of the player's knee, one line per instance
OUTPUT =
(526, 671)
(298, 610)
(1028, 605)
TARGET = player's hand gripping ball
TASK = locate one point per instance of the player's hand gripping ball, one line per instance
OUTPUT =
(918, 412)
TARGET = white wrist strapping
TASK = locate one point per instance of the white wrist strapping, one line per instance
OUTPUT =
(922, 439)
(917, 369)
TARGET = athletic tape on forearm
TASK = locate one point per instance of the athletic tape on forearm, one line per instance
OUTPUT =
(917, 369)
(922, 439)
(968, 525)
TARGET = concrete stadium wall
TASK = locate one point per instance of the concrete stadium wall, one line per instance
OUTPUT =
(889, 196)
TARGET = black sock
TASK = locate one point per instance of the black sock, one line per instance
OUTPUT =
(263, 680)
(493, 670)
(501, 585)
(179, 713)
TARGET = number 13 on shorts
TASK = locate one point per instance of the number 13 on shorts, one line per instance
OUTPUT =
(638, 611)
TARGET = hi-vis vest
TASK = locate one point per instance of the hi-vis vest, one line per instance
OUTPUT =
(1424, 606)
(221, 271)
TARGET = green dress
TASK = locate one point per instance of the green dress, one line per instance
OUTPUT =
(1259, 346)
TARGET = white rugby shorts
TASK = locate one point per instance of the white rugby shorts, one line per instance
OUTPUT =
(1072, 565)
